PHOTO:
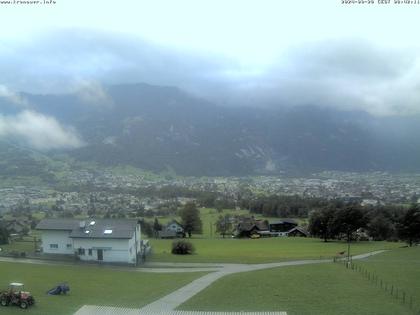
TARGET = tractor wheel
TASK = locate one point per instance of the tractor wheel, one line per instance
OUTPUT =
(23, 304)
(4, 302)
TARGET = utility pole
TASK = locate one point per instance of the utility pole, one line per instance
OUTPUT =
(348, 249)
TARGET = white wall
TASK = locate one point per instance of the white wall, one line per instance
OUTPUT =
(114, 250)
(132, 245)
(61, 238)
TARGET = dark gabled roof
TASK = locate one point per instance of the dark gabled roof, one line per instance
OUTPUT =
(249, 225)
(283, 221)
(300, 229)
(121, 228)
(58, 224)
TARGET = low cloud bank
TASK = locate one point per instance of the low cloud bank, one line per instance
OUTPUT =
(349, 74)
(38, 131)
(12, 97)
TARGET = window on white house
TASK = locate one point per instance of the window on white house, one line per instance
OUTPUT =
(81, 251)
(69, 246)
(54, 246)
(90, 252)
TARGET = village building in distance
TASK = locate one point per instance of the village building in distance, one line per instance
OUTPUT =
(250, 227)
(173, 229)
(99, 240)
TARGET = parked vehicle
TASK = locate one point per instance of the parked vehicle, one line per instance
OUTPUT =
(16, 295)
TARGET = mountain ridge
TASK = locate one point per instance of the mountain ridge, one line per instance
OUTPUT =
(164, 128)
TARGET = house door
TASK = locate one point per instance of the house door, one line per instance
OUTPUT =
(100, 254)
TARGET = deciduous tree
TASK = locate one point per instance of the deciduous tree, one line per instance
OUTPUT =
(223, 225)
(409, 225)
(320, 223)
(190, 219)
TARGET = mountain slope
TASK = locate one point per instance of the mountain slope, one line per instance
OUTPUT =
(161, 128)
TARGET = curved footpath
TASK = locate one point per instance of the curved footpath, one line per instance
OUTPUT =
(167, 304)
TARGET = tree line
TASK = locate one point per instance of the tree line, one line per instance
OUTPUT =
(282, 205)
(352, 221)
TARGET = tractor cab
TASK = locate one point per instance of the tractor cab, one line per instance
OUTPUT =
(16, 287)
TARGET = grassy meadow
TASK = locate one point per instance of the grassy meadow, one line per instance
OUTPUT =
(92, 285)
(211, 247)
(323, 289)
(399, 267)
(261, 250)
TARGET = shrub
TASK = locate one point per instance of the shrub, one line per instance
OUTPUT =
(182, 248)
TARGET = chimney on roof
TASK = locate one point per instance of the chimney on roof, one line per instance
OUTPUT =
(82, 224)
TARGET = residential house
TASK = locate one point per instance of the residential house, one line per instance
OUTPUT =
(100, 240)
(173, 229)
(249, 227)
(17, 226)
(298, 232)
(282, 227)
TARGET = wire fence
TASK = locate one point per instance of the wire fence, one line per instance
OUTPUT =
(390, 288)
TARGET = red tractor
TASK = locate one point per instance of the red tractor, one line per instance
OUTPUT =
(15, 295)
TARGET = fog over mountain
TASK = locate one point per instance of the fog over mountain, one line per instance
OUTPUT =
(165, 128)
(341, 73)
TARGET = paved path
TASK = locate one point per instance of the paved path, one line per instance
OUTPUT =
(170, 302)
(88, 310)
(157, 269)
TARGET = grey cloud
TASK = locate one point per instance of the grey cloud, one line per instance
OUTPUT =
(38, 131)
(57, 61)
(92, 93)
(13, 97)
(342, 74)
(346, 74)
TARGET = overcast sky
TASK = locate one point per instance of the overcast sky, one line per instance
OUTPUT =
(258, 52)
(252, 31)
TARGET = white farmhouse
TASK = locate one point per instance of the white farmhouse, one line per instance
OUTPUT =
(102, 240)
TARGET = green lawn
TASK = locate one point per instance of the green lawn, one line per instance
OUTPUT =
(89, 285)
(400, 267)
(324, 289)
(260, 250)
